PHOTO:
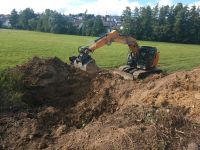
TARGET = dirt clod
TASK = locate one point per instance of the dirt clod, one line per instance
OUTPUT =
(69, 109)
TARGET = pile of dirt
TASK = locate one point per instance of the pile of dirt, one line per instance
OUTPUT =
(70, 109)
(51, 81)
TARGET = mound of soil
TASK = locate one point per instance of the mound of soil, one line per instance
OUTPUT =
(70, 109)
(51, 81)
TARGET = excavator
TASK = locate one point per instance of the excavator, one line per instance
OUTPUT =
(142, 60)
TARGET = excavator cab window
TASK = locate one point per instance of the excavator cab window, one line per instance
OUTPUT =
(146, 57)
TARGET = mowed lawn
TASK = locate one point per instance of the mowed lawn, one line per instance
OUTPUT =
(16, 47)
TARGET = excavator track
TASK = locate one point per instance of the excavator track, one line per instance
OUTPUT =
(131, 74)
(141, 74)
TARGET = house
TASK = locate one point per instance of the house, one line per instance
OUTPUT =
(5, 20)
(109, 25)
(111, 22)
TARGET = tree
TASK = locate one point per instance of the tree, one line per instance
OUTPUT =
(136, 24)
(44, 21)
(32, 23)
(180, 25)
(88, 23)
(0, 23)
(71, 28)
(146, 23)
(155, 24)
(57, 23)
(98, 27)
(24, 17)
(194, 24)
(127, 21)
(87, 27)
(162, 23)
(14, 18)
(170, 25)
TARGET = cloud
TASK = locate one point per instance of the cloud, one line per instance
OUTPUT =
(38, 5)
(164, 2)
(197, 3)
(104, 7)
(70, 6)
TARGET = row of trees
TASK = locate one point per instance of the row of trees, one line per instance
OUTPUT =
(172, 24)
(54, 22)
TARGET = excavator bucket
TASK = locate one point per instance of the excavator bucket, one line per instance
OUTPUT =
(85, 63)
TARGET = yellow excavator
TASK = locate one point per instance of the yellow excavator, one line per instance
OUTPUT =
(142, 61)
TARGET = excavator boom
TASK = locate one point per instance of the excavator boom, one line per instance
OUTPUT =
(114, 36)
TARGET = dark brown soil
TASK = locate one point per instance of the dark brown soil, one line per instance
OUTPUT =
(70, 109)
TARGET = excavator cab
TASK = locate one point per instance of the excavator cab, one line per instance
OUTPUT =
(146, 56)
(143, 64)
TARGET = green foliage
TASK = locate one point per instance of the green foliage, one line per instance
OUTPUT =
(32, 23)
(172, 24)
(146, 23)
(14, 18)
(87, 26)
(24, 17)
(127, 21)
(98, 27)
(11, 87)
(54, 22)
(49, 21)
(44, 21)
(57, 23)
(88, 23)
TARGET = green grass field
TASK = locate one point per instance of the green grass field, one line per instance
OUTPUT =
(16, 47)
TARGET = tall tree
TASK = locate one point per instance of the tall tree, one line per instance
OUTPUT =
(69, 26)
(88, 24)
(57, 23)
(180, 25)
(87, 27)
(146, 23)
(127, 21)
(14, 18)
(32, 23)
(136, 24)
(0, 23)
(155, 24)
(98, 27)
(162, 23)
(170, 25)
(194, 24)
(24, 17)
(44, 21)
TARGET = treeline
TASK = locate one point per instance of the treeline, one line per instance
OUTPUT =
(54, 22)
(170, 24)
(167, 23)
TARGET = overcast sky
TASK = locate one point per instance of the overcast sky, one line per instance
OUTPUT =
(98, 7)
